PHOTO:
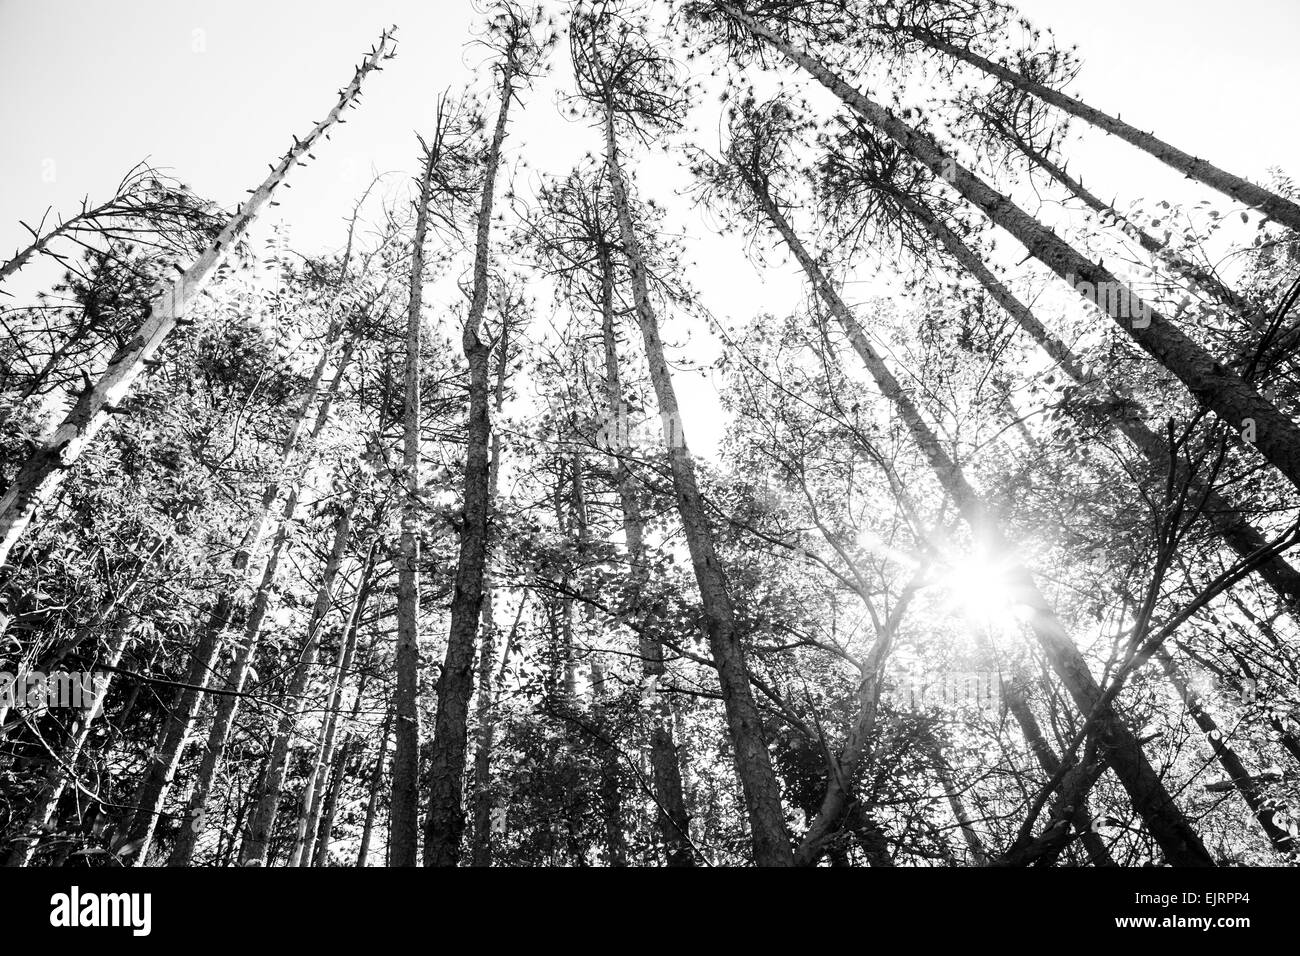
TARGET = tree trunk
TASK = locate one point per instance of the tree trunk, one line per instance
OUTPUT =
(1241, 778)
(404, 812)
(974, 844)
(261, 821)
(309, 812)
(1235, 402)
(672, 819)
(1224, 517)
(611, 799)
(44, 470)
(758, 781)
(228, 704)
(1197, 277)
(1169, 827)
(1269, 203)
(324, 831)
(151, 796)
(1050, 763)
(445, 822)
(485, 729)
(842, 769)
(376, 784)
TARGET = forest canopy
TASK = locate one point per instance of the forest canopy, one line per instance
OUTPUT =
(410, 552)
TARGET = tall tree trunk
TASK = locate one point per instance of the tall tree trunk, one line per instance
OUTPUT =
(482, 840)
(564, 665)
(1168, 825)
(445, 822)
(758, 781)
(151, 796)
(325, 829)
(228, 704)
(44, 470)
(672, 819)
(1232, 765)
(1189, 271)
(404, 812)
(974, 843)
(838, 803)
(1269, 203)
(485, 730)
(376, 785)
(313, 792)
(611, 799)
(1224, 517)
(1050, 763)
(1218, 388)
(261, 821)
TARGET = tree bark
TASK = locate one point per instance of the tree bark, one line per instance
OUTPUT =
(1262, 200)
(445, 821)
(324, 829)
(228, 704)
(404, 811)
(310, 810)
(672, 819)
(1218, 388)
(1223, 516)
(44, 470)
(485, 728)
(1168, 825)
(1050, 763)
(762, 793)
(151, 796)
(261, 822)
(376, 784)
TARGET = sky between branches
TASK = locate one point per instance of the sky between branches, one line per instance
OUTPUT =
(212, 92)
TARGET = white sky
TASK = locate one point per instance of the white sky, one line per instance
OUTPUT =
(212, 90)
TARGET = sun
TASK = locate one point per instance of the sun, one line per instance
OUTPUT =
(981, 587)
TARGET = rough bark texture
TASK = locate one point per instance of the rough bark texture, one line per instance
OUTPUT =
(445, 822)
(1218, 388)
(762, 792)
(404, 815)
(672, 818)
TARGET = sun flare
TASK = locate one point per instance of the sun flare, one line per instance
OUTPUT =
(980, 586)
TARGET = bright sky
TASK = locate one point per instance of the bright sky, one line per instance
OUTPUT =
(212, 90)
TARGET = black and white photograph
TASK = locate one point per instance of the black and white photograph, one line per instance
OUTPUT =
(518, 435)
